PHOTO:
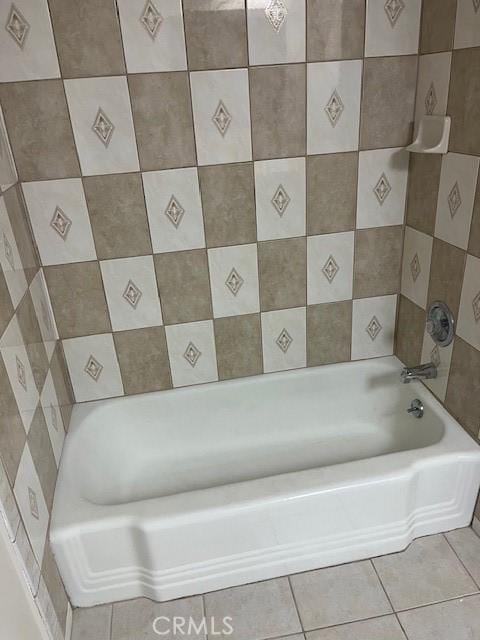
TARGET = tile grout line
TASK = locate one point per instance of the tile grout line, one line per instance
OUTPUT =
(461, 561)
(395, 613)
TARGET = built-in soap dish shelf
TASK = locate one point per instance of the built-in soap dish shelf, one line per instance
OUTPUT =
(433, 135)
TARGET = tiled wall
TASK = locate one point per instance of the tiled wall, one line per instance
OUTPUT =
(441, 258)
(35, 405)
(216, 189)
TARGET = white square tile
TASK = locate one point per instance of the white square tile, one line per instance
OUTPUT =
(234, 280)
(131, 292)
(27, 559)
(330, 267)
(417, 257)
(191, 350)
(8, 507)
(432, 85)
(373, 327)
(44, 312)
(174, 209)
(467, 25)
(19, 372)
(93, 367)
(280, 193)
(153, 36)
(468, 326)
(102, 125)
(276, 31)
(284, 339)
(53, 416)
(10, 258)
(8, 170)
(31, 502)
(221, 114)
(442, 358)
(392, 27)
(456, 196)
(333, 106)
(382, 187)
(27, 47)
(60, 221)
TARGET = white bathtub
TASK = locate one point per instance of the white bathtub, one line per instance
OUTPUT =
(181, 492)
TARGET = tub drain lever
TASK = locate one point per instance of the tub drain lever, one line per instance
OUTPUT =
(416, 408)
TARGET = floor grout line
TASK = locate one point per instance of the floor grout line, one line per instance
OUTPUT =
(461, 562)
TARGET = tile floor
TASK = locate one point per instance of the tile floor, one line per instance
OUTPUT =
(430, 591)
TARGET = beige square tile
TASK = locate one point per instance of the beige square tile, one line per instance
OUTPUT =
(221, 114)
(8, 506)
(284, 339)
(339, 594)
(143, 359)
(261, 610)
(228, 204)
(10, 259)
(279, 38)
(388, 102)
(442, 359)
(437, 27)
(162, 115)
(282, 268)
(29, 565)
(459, 619)
(331, 192)
(378, 256)
(18, 216)
(432, 85)
(446, 274)
(53, 417)
(427, 571)
(138, 616)
(6, 307)
(464, 98)
(55, 586)
(329, 333)
(192, 354)
(61, 381)
(39, 128)
(463, 385)
(93, 622)
(102, 124)
(277, 96)
(423, 183)
(239, 346)
(93, 367)
(117, 215)
(27, 53)
(88, 38)
(409, 335)
(153, 37)
(466, 545)
(78, 299)
(216, 34)
(29, 326)
(184, 286)
(385, 628)
(335, 29)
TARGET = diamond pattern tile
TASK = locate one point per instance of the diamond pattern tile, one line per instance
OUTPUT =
(476, 307)
(221, 118)
(192, 354)
(93, 368)
(103, 127)
(284, 340)
(454, 200)
(415, 267)
(334, 108)
(234, 281)
(374, 327)
(476, 5)
(382, 189)
(174, 212)
(431, 100)
(276, 13)
(393, 9)
(330, 269)
(132, 294)
(17, 26)
(7, 247)
(21, 374)
(280, 200)
(32, 498)
(151, 19)
(61, 223)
